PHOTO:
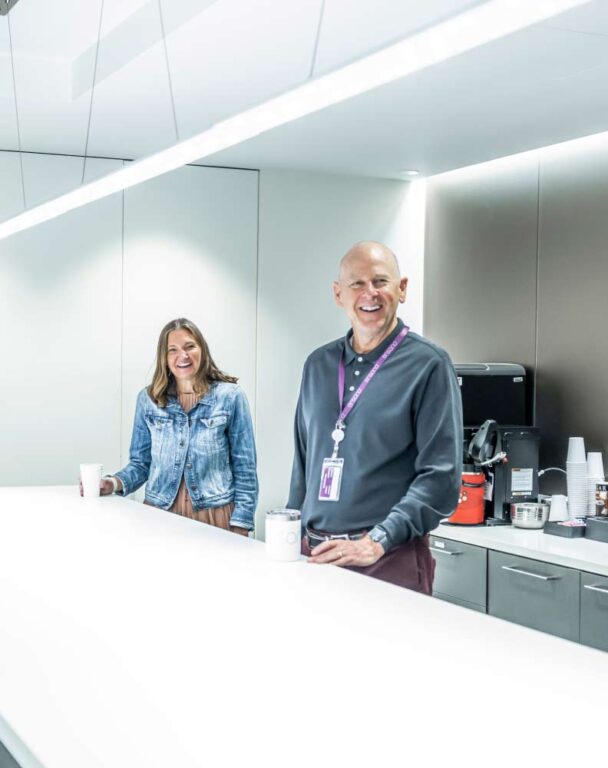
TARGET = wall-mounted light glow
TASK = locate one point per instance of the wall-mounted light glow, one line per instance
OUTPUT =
(411, 173)
(481, 24)
(592, 144)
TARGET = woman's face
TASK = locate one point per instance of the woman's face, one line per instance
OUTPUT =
(183, 355)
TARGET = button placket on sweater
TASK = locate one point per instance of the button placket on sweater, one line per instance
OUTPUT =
(356, 371)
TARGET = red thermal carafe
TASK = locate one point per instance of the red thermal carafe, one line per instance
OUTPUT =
(471, 504)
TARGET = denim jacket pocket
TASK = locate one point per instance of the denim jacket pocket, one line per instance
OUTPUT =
(214, 422)
(212, 433)
(157, 422)
(161, 435)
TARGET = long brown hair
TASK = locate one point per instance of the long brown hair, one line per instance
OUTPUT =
(163, 380)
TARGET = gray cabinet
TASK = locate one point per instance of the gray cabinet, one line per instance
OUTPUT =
(6, 759)
(551, 598)
(534, 593)
(594, 611)
(460, 573)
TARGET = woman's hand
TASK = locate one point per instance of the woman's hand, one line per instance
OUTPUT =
(105, 487)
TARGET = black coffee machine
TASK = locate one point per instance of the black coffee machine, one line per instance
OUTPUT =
(497, 437)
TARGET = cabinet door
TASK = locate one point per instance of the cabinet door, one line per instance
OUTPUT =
(534, 593)
(6, 759)
(460, 573)
(594, 611)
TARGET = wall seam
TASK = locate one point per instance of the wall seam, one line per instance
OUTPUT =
(536, 309)
(257, 310)
(122, 159)
(122, 327)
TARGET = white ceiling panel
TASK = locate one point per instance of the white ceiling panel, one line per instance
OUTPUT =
(591, 19)
(63, 30)
(132, 115)
(237, 54)
(354, 29)
(534, 88)
(540, 85)
(124, 37)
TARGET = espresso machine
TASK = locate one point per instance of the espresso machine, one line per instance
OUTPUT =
(498, 439)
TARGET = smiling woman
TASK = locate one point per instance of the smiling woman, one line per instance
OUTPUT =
(192, 437)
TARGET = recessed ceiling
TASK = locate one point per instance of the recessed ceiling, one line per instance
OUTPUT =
(539, 86)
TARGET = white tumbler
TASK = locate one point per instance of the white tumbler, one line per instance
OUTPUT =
(90, 477)
(283, 534)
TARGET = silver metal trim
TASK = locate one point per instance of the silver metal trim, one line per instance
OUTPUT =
(445, 551)
(529, 573)
(595, 588)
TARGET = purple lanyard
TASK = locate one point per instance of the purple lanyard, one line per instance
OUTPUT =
(344, 411)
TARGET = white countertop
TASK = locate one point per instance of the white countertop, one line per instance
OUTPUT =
(134, 638)
(583, 554)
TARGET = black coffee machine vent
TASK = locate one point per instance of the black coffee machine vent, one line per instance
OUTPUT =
(493, 391)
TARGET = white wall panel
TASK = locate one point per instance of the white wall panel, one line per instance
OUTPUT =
(60, 336)
(307, 223)
(71, 299)
(190, 251)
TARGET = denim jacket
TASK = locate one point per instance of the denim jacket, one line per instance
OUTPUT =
(212, 447)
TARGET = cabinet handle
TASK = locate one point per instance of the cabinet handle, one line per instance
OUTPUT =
(445, 551)
(529, 573)
(595, 588)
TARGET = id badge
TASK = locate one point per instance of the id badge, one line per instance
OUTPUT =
(331, 478)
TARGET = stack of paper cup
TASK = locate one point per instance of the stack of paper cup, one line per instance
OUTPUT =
(595, 474)
(576, 476)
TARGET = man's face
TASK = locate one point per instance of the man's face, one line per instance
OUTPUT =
(369, 291)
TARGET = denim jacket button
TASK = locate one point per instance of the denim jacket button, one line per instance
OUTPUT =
(181, 443)
(195, 487)
(188, 466)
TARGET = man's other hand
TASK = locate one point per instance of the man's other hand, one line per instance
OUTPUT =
(361, 552)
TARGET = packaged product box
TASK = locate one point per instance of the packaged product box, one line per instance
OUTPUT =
(601, 499)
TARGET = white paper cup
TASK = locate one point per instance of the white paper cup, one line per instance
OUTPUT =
(90, 477)
(558, 510)
(576, 481)
(283, 534)
(595, 465)
(576, 449)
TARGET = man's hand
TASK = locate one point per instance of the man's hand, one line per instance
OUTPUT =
(361, 552)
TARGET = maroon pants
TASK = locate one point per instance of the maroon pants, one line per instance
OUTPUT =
(408, 565)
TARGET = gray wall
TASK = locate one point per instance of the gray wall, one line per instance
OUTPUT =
(516, 270)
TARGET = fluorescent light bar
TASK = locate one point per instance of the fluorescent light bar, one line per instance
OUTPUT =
(481, 24)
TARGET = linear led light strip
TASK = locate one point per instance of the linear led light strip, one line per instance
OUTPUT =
(479, 25)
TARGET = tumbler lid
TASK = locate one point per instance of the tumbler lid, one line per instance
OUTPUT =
(283, 514)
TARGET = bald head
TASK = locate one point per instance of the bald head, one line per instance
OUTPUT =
(370, 289)
(369, 250)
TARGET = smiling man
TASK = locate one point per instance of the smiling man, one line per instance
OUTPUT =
(378, 433)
